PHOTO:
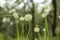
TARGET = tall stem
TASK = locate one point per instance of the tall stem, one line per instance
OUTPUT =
(22, 33)
(17, 31)
(39, 36)
(46, 26)
(28, 31)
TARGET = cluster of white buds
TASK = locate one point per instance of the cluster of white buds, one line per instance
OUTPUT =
(15, 15)
(47, 9)
(28, 17)
(5, 19)
(12, 11)
(21, 18)
(43, 15)
(44, 4)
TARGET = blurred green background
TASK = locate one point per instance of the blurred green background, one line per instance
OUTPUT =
(7, 21)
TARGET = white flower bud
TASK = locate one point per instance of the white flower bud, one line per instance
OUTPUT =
(11, 23)
(59, 16)
(28, 17)
(35, 38)
(21, 18)
(4, 19)
(36, 29)
(13, 10)
(44, 30)
(43, 15)
(15, 15)
(36, 25)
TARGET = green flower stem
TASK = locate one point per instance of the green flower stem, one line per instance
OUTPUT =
(46, 26)
(28, 31)
(17, 30)
(39, 36)
(45, 36)
(22, 33)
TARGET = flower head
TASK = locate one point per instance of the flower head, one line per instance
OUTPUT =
(59, 16)
(11, 23)
(44, 29)
(21, 18)
(4, 19)
(28, 17)
(15, 15)
(35, 38)
(48, 9)
(36, 29)
(13, 10)
(43, 15)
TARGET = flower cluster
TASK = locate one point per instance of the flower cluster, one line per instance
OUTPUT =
(5, 19)
(28, 17)
(46, 11)
(43, 15)
(45, 6)
(15, 15)
(21, 18)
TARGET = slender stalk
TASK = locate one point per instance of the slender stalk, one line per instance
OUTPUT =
(17, 30)
(47, 29)
(44, 35)
(39, 36)
(28, 31)
(22, 33)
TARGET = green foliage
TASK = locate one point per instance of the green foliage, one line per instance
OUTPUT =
(1, 36)
(9, 38)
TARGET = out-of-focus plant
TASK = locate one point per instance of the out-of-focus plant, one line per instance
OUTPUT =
(37, 29)
(28, 18)
(1, 36)
(16, 18)
(22, 23)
